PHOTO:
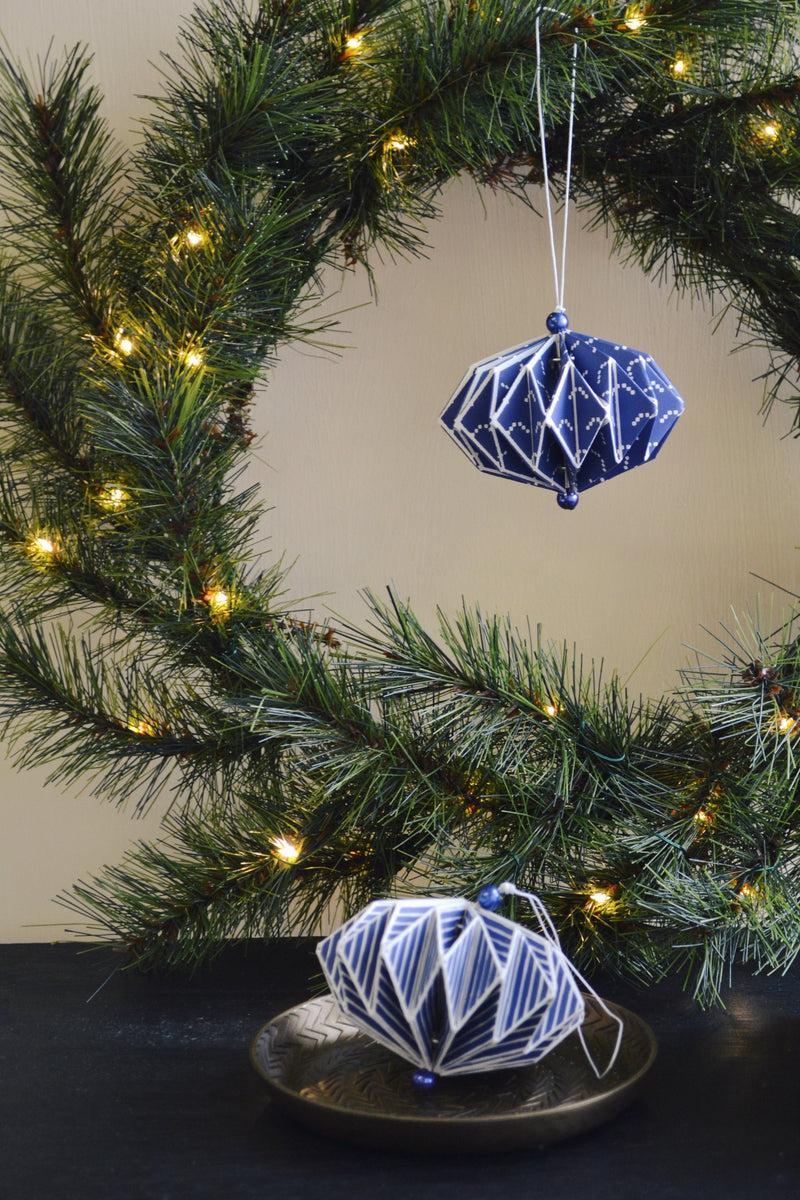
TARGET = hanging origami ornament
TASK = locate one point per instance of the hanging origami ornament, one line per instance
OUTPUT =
(455, 988)
(568, 411)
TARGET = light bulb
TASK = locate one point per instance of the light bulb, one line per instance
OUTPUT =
(635, 21)
(193, 358)
(123, 343)
(679, 66)
(702, 817)
(600, 898)
(285, 849)
(397, 142)
(217, 600)
(43, 545)
(770, 131)
(141, 726)
(113, 497)
(194, 237)
(785, 724)
(552, 710)
(353, 43)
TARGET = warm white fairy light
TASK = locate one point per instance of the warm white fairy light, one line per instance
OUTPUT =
(785, 724)
(679, 66)
(285, 850)
(193, 358)
(750, 892)
(43, 545)
(600, 898)
(217, 600)
(635, 21)
(194, 238)
(770, 131)
(113, 497)
(397, 141)
(124, 343)
(353, 43)
(141, 726)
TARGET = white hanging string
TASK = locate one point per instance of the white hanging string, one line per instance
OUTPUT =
(559, 276)
(550, 932)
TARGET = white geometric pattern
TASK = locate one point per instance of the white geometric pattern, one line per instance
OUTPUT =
(565, 412)
(450, 986)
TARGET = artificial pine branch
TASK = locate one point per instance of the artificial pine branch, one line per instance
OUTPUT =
(312, 768)
(57, 157)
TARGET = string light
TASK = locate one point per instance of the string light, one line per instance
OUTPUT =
(749, 891)
(113, 497)
(599, 898)
(192, 358)
(285, 850)
(766, 133)
(217, 600)
(679, 66)
(141, 726)
(785, 724)
(703, 818)
(42, 545)
(552, 710)
(397, 142)
(353, 42)
(635, 21)
(124, 343)
(474, 800)
(189, 236)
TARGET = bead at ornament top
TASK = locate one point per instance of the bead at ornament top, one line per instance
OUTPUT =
(567, 500)
(490, 897)
(557, 322)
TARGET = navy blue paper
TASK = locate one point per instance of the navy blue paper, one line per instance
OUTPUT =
(565, 412)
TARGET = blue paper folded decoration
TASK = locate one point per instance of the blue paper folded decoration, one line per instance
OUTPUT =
(450, 986)
(565, 412)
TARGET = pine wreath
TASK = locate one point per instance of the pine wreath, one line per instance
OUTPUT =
(313, 766)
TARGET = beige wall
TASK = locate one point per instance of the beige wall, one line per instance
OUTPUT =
(367, 490)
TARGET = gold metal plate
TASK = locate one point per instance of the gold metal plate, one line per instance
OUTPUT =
(325, 1072)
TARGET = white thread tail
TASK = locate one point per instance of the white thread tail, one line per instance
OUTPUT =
(551, 933)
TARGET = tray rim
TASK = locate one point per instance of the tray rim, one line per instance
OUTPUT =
(603, 1099)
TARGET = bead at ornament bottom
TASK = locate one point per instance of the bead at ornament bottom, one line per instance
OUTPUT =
(567, 500)
(424, 1081)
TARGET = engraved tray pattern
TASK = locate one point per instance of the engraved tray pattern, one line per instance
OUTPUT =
(323, 1071)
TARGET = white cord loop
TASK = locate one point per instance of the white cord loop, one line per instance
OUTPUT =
(550, 932)
(559, 276)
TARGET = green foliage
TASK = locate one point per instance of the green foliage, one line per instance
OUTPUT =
(144, 647)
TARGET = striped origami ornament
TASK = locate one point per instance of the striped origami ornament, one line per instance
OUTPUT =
(452, 987)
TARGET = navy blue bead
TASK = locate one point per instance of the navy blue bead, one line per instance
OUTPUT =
(424, 1081)
(490, 897)
(557, 321)
(567, 500)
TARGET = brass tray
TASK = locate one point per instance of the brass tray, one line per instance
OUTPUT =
(320, 1069)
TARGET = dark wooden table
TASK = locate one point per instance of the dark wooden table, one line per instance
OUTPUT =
(145, 1092)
